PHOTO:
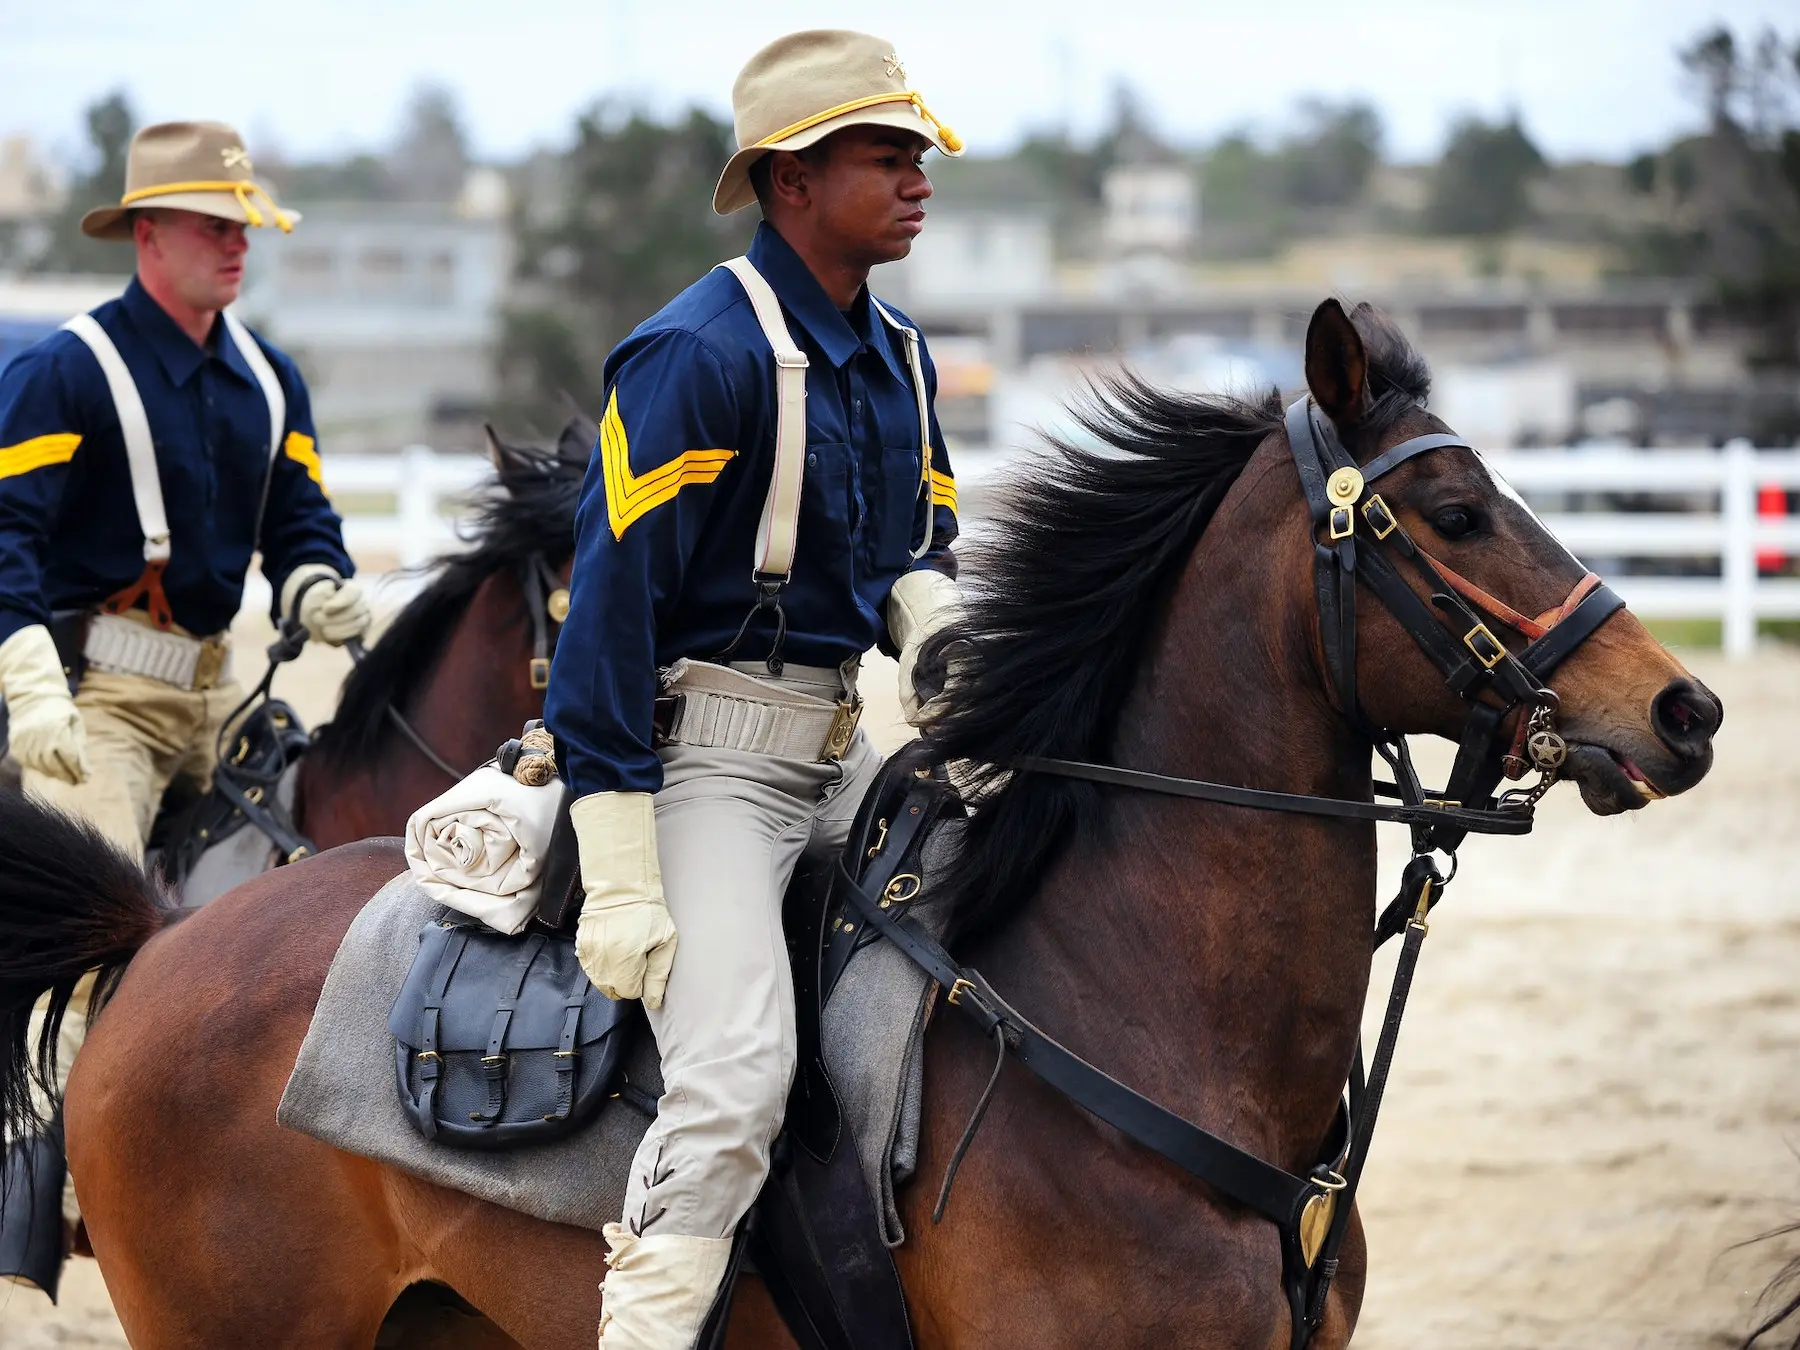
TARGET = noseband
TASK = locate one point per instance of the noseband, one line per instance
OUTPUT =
(1356, 535)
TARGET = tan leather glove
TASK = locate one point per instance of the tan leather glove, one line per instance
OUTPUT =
(920, 604)
(44, 728)
(625, 939)
(332, 613)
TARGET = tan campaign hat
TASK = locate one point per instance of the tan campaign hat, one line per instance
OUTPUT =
(799, 89)
(188, 166)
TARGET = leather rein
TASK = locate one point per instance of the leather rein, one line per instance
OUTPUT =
(547, 602)
(1313, 1212)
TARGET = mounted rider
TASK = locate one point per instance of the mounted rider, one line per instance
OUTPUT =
(147, 450)
(770, 497)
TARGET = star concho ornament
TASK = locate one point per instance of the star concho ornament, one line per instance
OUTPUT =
(894, 68)
(1548, 751)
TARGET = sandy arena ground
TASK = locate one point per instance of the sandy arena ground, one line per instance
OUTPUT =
(1597, 1094)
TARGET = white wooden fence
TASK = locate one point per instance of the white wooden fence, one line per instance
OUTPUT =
(1726, 532)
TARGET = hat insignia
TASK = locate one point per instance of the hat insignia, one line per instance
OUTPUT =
(235, 156)
(894, 68)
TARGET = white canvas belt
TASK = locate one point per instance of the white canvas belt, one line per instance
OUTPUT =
(778, 529)
(120, 645)
(727, 709)
(134, 425)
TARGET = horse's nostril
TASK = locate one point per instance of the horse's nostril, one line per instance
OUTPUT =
(1685, 716)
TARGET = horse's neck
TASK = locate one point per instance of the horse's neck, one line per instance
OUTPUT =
(476, 695)
(1212, 957)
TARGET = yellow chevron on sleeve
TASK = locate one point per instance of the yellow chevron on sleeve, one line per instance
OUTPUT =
(36, 453)
(943, 490)
(301, 448)
(630, 498)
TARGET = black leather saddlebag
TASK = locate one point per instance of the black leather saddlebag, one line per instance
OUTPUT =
(501, 1041)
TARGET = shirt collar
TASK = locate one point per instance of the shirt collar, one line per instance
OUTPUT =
(880, 336)
(802, 296)
(178, 353)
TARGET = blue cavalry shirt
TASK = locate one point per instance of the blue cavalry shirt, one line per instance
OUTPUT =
(666, 531)
(69, 535)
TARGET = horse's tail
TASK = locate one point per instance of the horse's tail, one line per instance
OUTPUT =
(70, 902)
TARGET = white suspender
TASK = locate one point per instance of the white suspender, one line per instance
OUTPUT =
(779, 527)
(917, 367)
(251, 350)
(140, 449)
(134, 425)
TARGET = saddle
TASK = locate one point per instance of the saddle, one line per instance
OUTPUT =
(268, 741)
(501, 1041)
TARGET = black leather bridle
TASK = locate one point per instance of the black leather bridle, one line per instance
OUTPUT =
(253, 794)
(1313, 1212)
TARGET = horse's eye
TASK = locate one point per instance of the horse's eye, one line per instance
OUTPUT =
(1454, 522)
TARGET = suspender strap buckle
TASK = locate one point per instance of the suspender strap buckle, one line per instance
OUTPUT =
(148, 588)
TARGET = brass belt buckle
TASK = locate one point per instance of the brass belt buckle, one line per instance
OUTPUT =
(209, 666)
(843, 727)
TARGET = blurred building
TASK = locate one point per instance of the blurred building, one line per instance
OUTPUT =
(32, 190)
(33, 307)
(393, 312)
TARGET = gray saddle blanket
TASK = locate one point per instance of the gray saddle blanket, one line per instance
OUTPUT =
(342, 1089)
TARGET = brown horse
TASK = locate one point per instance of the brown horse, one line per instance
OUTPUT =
(1151, 605)
(456, 662)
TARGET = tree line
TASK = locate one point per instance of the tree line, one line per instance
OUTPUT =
(610, 227)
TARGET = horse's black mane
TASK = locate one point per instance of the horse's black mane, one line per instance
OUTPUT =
(527, 507)
(1069, 584)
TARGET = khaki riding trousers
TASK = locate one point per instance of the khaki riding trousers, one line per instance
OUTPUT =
(731, 827)
(142, 735)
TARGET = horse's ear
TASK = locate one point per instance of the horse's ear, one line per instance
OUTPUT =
(498, 450)
(1337, 366)
(576, 444)
(508, 459)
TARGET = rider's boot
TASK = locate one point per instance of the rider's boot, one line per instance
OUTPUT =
(658, 1289)
(33, 1235)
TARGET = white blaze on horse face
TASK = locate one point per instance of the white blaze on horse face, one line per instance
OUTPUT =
(1507, 490)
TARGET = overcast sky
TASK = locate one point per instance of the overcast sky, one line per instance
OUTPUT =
(317, 77)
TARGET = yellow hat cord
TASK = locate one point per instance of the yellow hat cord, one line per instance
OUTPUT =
(946, 137)
(242, 188)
